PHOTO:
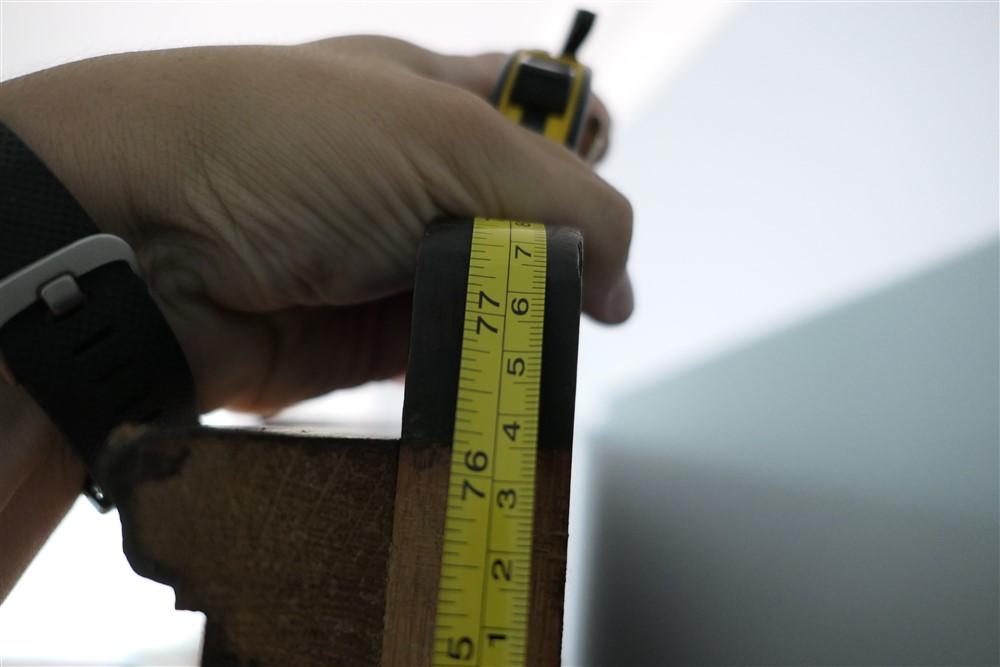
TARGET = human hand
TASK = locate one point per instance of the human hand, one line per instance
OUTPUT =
(276, 196)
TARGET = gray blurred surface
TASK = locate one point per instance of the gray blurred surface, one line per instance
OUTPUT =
(827, 495)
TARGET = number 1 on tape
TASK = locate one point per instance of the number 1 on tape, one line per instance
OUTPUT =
(484, 593)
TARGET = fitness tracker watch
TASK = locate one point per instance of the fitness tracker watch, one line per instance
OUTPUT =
(78, 327)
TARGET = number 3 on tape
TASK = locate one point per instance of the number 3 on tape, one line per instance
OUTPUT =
(483, 597)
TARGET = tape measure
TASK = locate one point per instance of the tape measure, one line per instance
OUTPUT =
(548, 94)
(483, 598)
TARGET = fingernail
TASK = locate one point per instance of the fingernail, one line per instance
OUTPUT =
(620, 301)
(595, 151)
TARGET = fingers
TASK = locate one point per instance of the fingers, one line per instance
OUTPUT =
(478, 74)
(316, 350)
(36, 504)
(494, 168)
(476, 162)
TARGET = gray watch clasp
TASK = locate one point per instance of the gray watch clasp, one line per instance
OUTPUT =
(53, 279)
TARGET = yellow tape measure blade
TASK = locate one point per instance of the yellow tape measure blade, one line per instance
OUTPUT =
(483, 597)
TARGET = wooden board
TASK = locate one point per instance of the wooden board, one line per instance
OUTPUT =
(311, 550)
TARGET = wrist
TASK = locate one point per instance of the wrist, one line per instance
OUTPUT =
(122, 175)
(79, 330)
(40, 477)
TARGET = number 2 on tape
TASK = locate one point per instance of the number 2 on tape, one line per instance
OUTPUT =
(483, 596)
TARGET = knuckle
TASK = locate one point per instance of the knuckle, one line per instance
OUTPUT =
(448, 115)
(473, 143)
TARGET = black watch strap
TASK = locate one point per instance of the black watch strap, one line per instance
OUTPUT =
(78, 327)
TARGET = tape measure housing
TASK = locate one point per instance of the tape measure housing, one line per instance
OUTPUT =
(547, 94)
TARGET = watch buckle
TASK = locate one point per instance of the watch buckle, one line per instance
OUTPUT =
(53, 279)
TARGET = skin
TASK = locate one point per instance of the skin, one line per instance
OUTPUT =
(276, 197)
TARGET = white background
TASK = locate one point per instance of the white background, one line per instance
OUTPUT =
(781, 157)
